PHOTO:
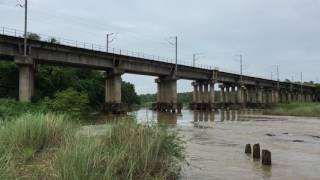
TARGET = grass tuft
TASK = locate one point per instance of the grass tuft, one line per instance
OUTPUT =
(32, 133)
(126, 151)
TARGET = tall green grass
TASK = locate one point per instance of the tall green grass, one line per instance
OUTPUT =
(296, 109)
(10, 108)
(33, 132)
(5, 164)
(126, 151)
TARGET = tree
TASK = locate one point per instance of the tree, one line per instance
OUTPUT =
(69, 101)
(9, 80)
(54, 40)
(129, 96)
(34, 36)
(52, 79)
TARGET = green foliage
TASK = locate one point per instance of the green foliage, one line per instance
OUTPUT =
(126, 151)
(9, 79)
(54, 40)
(185, 98)
(34, 36)
(296, 109)
(68, 101)
(129, 95)
(51, 79)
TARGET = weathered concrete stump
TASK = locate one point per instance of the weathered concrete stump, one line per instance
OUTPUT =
(248, 149)
(266, 157)
(256, 151)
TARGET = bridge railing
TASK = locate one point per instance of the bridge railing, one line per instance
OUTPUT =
(96, 47)
(100, 48)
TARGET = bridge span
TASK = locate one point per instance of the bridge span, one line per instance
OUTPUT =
(235, 90)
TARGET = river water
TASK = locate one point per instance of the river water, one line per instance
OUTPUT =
(215, 143)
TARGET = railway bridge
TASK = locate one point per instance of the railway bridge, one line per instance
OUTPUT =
(235, 90)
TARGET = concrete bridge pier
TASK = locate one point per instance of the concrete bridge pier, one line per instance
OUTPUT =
(242, 96)
(203, 95)
(26, 77)
(113, 100)
(212, 95)
(222, 96)
(167, 99)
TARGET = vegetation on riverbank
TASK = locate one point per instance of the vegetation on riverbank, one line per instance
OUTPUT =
(296, 109)
(49, 80)
(39, 144)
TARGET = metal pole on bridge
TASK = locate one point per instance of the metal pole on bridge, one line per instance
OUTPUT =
(25, 27)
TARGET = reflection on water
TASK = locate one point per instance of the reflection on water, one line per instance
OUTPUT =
(215, 143)
(200, 119)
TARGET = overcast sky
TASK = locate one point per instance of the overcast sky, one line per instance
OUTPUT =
(266, 32)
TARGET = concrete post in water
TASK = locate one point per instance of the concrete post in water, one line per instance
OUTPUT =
(205, 93)
(201, 97)
(256, 151)
(260, 95)
(266, 157)
(233, 94)
(195, 92)
(211, 98)
(26, 77)
(222, 94)
(248, 149)
(227, 94)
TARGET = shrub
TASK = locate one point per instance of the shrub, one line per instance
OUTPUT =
(126, 151)
(69, 101)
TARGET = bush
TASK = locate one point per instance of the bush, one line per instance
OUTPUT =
(69, 101)
(127, 151)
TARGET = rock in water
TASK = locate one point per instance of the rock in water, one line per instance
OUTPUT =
(248, 149)
(266, 157)
(256, 151)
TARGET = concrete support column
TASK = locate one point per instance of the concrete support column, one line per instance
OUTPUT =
(276, 96)
(240, 97)
(211, 98)
(26, 77)
(227, 94)
(26, 83)
(205, 93)
(289, 99)
(222, 94)
(260, 95)
(233, 94)
(200, 94)
(113, 88)
(167, 90)
(195, 92)
(173, 97)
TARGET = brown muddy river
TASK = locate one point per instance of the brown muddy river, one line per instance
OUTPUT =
(215, 144)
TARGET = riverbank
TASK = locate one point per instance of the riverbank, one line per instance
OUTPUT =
(295, 109)
(45, 145)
